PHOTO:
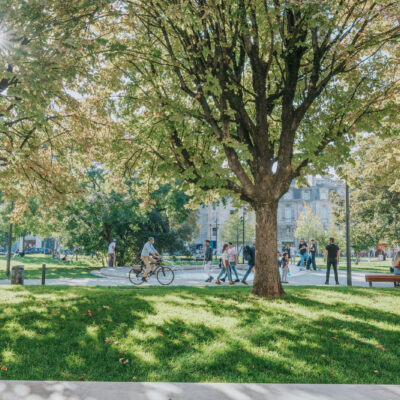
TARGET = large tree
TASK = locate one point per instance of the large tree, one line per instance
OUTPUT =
(240, 97)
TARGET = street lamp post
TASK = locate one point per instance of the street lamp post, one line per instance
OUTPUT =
(348, 255)
(243, 236)
(10, 239)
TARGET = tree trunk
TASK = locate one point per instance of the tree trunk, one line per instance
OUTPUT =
(267, 281)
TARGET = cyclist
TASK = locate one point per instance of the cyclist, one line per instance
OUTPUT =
(147, 252)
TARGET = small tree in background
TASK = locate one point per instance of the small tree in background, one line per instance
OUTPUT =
(232, 229)
(309, 226)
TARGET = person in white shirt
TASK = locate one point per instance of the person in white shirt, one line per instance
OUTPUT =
(147, 252)
(293, 251)
(225, 265)
(232, 258)
(111, 254)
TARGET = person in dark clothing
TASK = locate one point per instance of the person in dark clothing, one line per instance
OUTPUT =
(332, 256)
(286, 249)
(312, 249)
(207, 261)
(303, 253)
(251, 263)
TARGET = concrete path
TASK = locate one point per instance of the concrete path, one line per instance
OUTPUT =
(195, 277)
(34, 390)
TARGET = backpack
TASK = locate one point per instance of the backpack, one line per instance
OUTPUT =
(247, 253)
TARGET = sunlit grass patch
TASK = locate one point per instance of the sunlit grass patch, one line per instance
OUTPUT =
(55, 269)
(315, 335)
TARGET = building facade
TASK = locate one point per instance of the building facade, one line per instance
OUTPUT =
(212, 218)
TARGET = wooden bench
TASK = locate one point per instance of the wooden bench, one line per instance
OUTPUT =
(383, 278)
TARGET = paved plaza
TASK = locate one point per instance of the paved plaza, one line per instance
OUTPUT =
(194, 276)
(35, 390)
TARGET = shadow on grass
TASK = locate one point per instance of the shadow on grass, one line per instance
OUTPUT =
(199, 334)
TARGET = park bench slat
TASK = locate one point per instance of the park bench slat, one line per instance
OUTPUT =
(382, 278)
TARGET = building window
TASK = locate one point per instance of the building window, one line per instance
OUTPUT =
(306, 195)
(323, 193)
(287, 196)
(288, 212)
(324, 213)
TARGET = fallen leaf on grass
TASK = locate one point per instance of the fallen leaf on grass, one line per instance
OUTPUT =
(82, 377)
(107, 307)
(134, 378)
(380, 347)
(161, 333)
(376, 372)
(341, 310)
(116, 342)
(323, 355)
(4, 368)
(107, 340)
(123, 361)
(89, 312)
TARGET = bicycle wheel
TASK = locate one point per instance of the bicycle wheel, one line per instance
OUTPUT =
(165, 275)
(135, 276)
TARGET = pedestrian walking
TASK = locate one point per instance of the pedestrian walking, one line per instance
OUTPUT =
(312, 251)
(332, 256)
(285, 267)
(111, 253)
(251, 251)
(225, 265)
(232, 257)
(207, 261)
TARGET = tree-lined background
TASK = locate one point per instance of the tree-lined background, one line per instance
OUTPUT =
(182, 102)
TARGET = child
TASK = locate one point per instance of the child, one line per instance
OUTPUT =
(285, 267)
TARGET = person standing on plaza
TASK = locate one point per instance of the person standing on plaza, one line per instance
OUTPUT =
(286, 249)
(225, 265)
(111, 254)
(147, 252)
(207, 261)
(332, 256)
(293, 252)
(303, 253)
(251, 262)
(312, 251)
(285, 267)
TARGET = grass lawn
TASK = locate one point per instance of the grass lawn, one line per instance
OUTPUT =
(312, 335)
(54, 268)
(379, 267)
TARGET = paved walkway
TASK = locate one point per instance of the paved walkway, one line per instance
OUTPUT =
(195, 277)
(33, 390)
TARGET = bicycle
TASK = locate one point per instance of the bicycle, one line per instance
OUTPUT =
(164, 274)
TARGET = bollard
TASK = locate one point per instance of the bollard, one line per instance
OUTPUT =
(17, 275)
(43, 274)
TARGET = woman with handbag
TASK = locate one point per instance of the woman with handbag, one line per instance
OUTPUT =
(225, 266)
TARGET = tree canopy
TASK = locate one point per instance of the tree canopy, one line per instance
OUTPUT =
(233, 97)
